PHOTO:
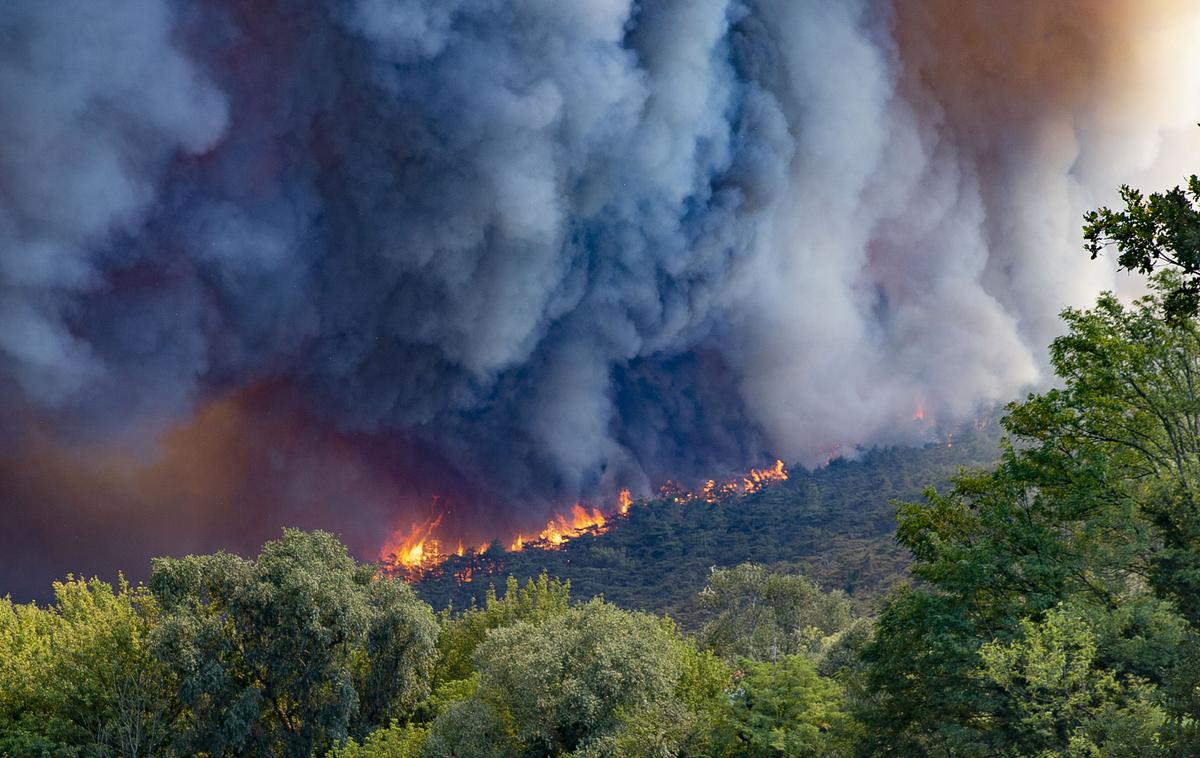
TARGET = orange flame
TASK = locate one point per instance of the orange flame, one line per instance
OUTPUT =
(560, 529)
(410, 550)
(761, 477)
(919, 413)
(624, 501)
(713, 491)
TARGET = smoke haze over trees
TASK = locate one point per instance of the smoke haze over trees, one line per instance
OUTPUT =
(315, 262)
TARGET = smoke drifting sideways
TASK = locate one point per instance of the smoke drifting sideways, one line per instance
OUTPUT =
(313, 262)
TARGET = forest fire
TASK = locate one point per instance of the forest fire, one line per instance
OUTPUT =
(713, 491)
(761, 477)
(412, 553)
(414, 548)
(558, 530)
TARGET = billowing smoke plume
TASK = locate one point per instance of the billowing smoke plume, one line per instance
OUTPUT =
(312, 261)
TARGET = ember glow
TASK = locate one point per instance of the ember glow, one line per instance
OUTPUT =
(754, 480)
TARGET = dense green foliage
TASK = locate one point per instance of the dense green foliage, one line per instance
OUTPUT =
(786, 709)
(291, 652)
(294, 653)
(554, 685)
(765, 616)
(1059, 598)
(461, 634)
(78, 678)
(393, 741)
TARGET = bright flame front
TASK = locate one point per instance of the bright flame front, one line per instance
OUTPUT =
(416, 551)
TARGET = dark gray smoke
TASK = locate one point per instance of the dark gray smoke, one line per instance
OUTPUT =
(553, 247)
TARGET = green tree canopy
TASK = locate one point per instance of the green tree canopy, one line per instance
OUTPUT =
(1153, 232)
(77, 678)
(764, 615)
(1092, 507)
(785, 709)
(460, 635)
(292, 652)
(552, 686)
(1062, 700)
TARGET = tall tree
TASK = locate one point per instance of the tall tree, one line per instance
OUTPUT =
(1092, 503)
(785, 709)
(460, 635)
(561, 684)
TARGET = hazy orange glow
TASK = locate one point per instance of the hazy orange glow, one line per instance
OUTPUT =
(919, 413)
(413, 552)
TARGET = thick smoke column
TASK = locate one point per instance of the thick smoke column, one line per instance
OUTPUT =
(312, 261)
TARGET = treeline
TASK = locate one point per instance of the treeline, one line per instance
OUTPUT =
(305, 652)
(835, 524)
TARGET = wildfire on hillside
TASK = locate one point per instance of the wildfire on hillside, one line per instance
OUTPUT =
(560, 529)
(712, 491)
(411, 553)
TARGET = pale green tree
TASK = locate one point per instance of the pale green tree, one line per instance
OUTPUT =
(786, 709)
(765, 615)
(554, 686)
(393, 741)
(1062, 701)
(78, 678)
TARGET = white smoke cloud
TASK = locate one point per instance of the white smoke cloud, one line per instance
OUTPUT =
(934, 233)
(569, 245)
(96, 100)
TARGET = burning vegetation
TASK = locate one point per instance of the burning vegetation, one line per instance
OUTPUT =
(414, 552)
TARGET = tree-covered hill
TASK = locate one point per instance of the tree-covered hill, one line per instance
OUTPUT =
(834, 523)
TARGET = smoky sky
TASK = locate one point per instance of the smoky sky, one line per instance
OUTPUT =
(316, 261)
